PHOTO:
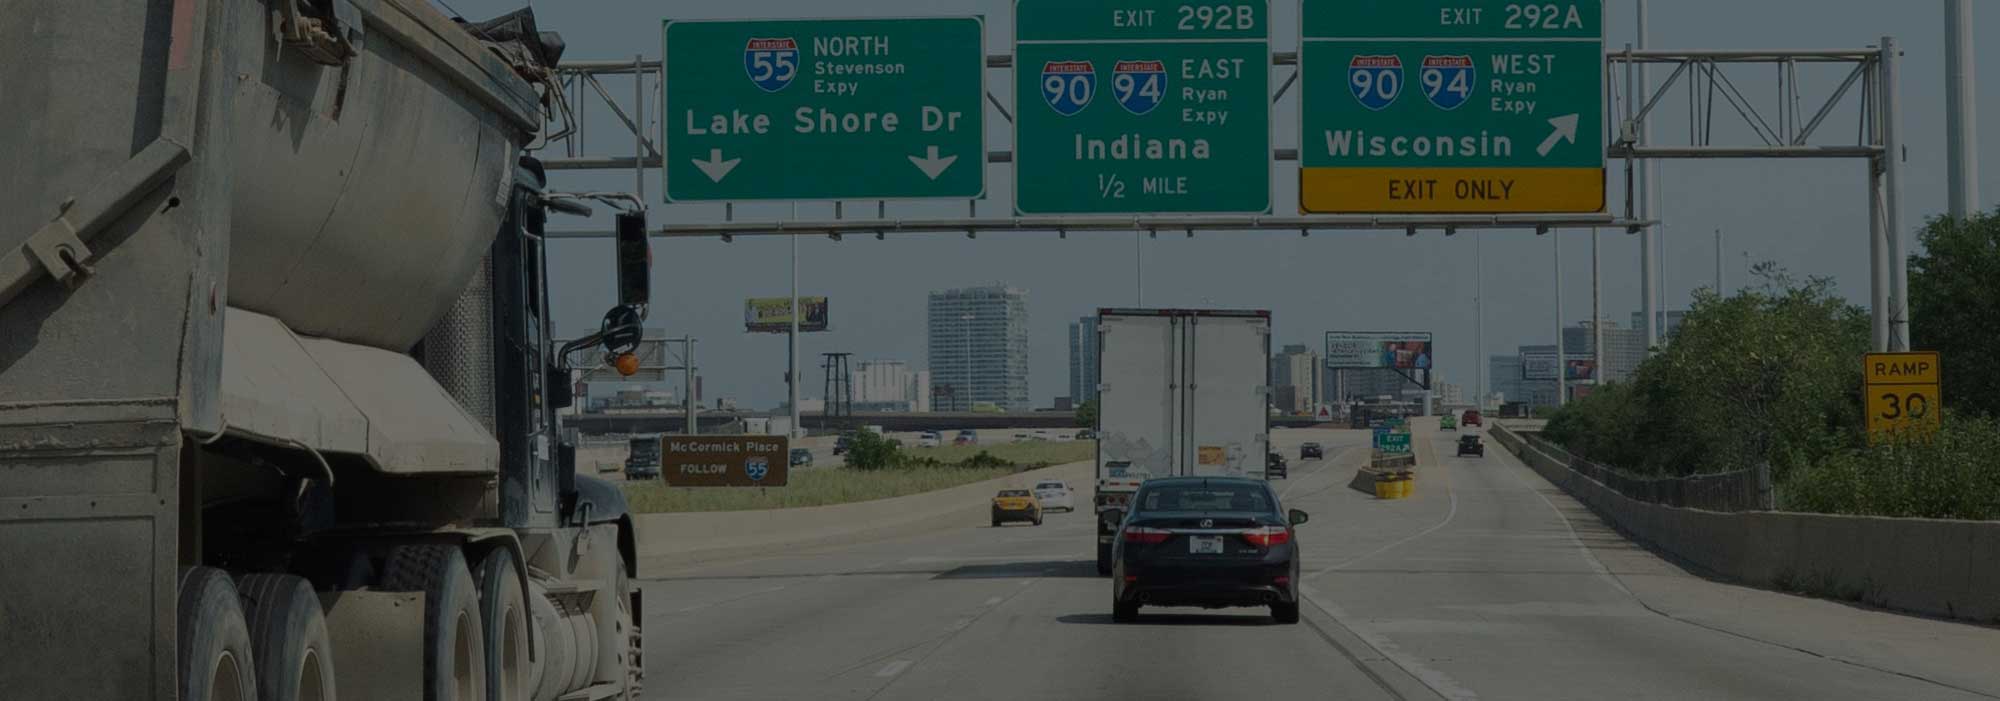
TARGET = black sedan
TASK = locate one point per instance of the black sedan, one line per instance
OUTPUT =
(1275, 468)
(1211, 542)
(1470, 445)
(1311, 451)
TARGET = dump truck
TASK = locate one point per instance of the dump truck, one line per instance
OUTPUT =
(1181, 392)
(277, 395)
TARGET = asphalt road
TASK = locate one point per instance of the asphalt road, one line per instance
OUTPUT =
(1489, 583)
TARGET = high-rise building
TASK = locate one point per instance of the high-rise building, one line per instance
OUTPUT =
(1503, 376)
(1669, 323)
(1624, 349)
(1295, 380)
(885, 385)
(979, 347)
(1083, 360)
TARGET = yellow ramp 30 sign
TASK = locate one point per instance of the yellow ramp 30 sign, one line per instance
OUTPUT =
(1902, 392)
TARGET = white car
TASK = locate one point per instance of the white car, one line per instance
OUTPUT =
(929, 439)
(1055, 494)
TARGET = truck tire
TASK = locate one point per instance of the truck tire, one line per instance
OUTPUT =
(1124, 613)
(212, 639)
(454, 638)
(504, 609)
(1103, 559)
(289, 638)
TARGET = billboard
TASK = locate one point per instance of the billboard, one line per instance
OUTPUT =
(774, 314)
(725, 461)
(1580, 370)
(1376, 350)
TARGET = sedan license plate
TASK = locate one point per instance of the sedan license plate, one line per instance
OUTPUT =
(1205, 545)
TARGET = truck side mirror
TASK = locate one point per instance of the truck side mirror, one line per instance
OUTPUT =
(635, 261)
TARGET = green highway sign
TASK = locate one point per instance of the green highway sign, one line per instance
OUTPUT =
(825, 109)
(1142, 106)
(1392, 442)
(1451, 106)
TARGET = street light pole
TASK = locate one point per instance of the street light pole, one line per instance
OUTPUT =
(1479, 312)
(792, 371)
(1562, 359)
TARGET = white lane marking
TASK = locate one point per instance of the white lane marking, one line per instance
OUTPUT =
(1438, 681)
(893, 668)
(1450, 513)
(995, 601)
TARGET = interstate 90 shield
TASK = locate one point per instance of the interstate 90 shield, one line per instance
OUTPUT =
(1376, 81)
(1139, 85)
(1068, 85)
(1448, 80)
(771, 63)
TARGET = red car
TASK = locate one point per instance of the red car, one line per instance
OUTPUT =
(1471, 418)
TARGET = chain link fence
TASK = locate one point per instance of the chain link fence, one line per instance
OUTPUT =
(1723, 491)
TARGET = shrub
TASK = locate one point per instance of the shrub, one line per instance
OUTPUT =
(1954, 474)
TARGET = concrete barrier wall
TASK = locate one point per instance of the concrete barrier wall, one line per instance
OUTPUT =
(1933, 567)
(682, 538)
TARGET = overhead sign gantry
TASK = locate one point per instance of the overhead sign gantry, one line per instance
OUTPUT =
(1451, 106)
(1142, 106)
(825, 109)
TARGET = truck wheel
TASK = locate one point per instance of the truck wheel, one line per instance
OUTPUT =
(288, 635)
(1124, 613)
(504, 609)
(213, 640)
(1103, 559)
(454, 641)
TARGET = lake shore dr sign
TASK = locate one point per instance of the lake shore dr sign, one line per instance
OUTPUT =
(1451, 106)
(1142, 106)
(824, 109)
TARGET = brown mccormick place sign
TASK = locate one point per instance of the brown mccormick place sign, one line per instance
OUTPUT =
(725, 461)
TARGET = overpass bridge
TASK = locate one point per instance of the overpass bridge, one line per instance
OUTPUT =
(670, 421)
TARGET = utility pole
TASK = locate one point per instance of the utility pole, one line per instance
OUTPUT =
(1892, 168)
(687, 375)
(1648, 246)
(1562, 359)
(1720, 287)
(1479, 312)
(792, 359)
(1139, 266)
(1961, 98)
(1596, 314)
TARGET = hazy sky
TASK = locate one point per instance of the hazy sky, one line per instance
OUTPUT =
(1810, 216)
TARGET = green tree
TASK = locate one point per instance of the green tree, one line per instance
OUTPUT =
(868, 450)
(1953, 285)
(1086, 414)
(1768, 374)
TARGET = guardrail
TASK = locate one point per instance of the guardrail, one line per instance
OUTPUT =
(1722, 491)
(1928, 566)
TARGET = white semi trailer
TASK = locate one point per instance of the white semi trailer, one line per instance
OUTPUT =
(277, 395)
(1180, 392)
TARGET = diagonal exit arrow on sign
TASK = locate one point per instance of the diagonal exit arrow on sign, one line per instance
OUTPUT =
(715, 168)
(931, 164)
(1565, 131)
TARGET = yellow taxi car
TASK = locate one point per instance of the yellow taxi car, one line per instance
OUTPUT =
(1016, 505)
